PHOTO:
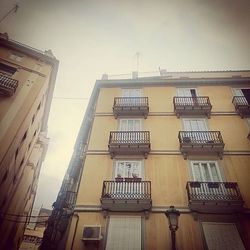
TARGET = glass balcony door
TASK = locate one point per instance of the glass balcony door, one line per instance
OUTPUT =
(206, 172)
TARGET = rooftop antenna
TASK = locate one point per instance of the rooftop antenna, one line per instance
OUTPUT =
(14, 10)
(137, 54)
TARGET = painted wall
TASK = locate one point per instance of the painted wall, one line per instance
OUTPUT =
(155, 232)
(167, 172)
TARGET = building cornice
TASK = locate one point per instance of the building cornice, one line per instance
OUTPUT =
(227, 81)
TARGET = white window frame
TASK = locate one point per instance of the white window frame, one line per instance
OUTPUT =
(235, 89)
(200, 119)
(220, 174)
(131, 94)
(141, 165)
(123, 119)
(178, 93)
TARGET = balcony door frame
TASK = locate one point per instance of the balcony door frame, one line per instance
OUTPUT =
(187, 92)
(203, 120)
(239, 92)
(141, 165)
(132, 92)
(218, 169)
(129, 119)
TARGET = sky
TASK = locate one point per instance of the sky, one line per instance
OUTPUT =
(93, 37)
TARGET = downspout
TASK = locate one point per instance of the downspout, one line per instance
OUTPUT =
(73, 239)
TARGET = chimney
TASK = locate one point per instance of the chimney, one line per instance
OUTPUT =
(134, 74)
(105, 77)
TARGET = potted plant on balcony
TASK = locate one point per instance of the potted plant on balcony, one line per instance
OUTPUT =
(136, 178)
(118, 178)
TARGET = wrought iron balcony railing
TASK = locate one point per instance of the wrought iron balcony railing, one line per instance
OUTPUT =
(131, 106)
(201, 142)
(129, 142)
(214, 196)
(192, 106)
(129, 194)
(7, 85)
(242, 106)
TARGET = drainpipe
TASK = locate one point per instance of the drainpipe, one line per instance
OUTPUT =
(73, 240)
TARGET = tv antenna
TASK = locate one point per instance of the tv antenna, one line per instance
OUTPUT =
(14, 10)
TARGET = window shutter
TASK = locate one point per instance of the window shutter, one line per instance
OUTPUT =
(124, 232)
(222, 236)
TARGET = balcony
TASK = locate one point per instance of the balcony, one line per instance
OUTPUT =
(129, 143)
(201, 142)
(242, 106)
(130, 106)
(126, 194)
(199, 106)
(7, 85)
(214, 197)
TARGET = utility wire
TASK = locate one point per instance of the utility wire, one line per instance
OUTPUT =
(17, 215)
(20, 221)
(36, 222)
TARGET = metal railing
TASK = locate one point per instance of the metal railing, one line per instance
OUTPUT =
(7, 85)
(181, 101)
(131, 190)
(240, 101)
(200, 137)
(213, 191)
(129, 137)
(130, 102)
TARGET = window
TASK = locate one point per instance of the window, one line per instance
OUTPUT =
(39, 106)
(205, 171)
(6, 69)
(131, 92)
(186, 92)
(128, 169)
(243, 92)
(33, 119)
(16, 153)
(222, 236)
(195, 125)
(130, 124)
(4, 177)
(24, 136)
(124, 232)
(21, 163)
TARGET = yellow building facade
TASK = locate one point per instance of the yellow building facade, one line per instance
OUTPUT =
(27, 79)
(145, 144)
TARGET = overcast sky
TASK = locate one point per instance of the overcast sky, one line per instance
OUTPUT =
(91, 37)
